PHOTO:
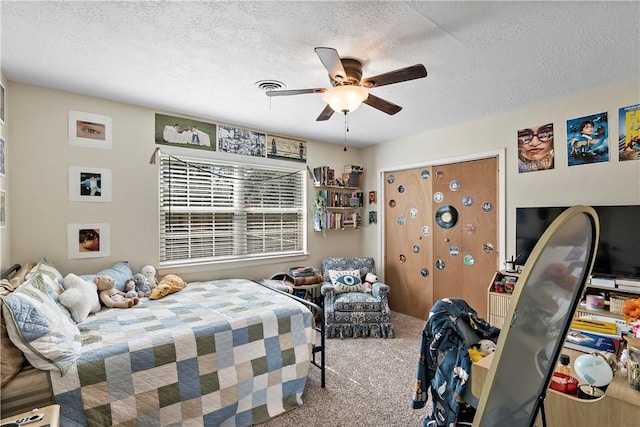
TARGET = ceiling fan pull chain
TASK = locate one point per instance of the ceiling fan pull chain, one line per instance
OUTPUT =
(346, 129)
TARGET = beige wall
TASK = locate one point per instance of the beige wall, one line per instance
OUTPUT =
(4, 185)
(40, 208)
(40, 156)
(596, 184)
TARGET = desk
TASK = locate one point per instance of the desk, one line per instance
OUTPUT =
(620, 406)
(51, 417)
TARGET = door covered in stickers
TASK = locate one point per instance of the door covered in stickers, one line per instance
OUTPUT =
(441, 234)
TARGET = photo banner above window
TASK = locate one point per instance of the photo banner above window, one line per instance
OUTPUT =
(213, 211)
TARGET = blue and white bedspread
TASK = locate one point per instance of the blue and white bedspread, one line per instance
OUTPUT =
(227, 352)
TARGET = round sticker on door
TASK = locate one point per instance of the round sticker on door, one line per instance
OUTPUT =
(438, 197)
(470, 229)
(416, 249)
(467, 200)
(426, 230)
(446, 217)
(391, 179)
(454, 250)
(487, 248)
(402, 258)
(454, 185)
(468, 260)
(424, 272)
(440, 264)
(392, 203)
(487, 207)
(413, 212)
(439, 175)
(401, 189)
(425, 174)
(401, 220)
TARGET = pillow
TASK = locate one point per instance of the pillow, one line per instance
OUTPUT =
(121, 273)
(48, 270)
(80, 297)
(37, 326)
(346, 281)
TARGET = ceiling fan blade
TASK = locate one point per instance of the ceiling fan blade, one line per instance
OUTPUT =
(332, 62)
(382, 105)
(325, 115)
(294, 91)
(402, 75)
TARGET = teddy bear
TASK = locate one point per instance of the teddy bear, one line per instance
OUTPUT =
(149, 272)
(142, 287)
(110, 296)
(130, 289)
(168, 285)
(369, 280)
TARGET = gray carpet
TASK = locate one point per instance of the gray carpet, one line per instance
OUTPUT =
(369, 381)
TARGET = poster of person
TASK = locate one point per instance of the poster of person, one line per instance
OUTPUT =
(629, 139)
(588, 139)
(183, 132)
(241, 141)
(279, 147)
(535, 148)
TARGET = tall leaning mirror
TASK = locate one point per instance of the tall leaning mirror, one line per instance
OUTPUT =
(539, 316)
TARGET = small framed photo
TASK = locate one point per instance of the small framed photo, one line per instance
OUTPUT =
(88, 240)
(2, 102)
(3, 208)
(89, 130)
(87, 184)
(3, 165)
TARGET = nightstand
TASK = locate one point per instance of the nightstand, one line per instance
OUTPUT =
(51, 417)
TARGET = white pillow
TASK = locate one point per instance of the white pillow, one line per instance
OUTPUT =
(346, 281)
(38, 327)
(80, 297)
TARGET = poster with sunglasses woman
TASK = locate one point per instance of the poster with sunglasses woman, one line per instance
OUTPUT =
(535, 148)
(588, 139)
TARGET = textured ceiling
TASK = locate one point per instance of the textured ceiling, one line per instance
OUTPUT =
(203, 59)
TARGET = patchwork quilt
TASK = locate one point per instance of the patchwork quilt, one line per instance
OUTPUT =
(221, 353)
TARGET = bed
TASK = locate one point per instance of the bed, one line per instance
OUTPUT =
(225, 352)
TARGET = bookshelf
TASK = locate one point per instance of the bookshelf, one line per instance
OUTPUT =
(338, 201)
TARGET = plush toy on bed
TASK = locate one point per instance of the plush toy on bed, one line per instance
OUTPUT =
(149, 272)
(168, 285)
(130, 289)
(80, 297)
(369, 280)
(481, 349)
(110, 296)
(142, 287)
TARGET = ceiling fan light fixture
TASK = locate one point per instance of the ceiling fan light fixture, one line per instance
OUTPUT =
(345, 98)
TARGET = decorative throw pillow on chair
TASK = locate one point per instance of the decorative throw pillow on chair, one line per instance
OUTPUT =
(346, 281)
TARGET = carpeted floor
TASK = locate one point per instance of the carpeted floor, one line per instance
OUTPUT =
(369, 382)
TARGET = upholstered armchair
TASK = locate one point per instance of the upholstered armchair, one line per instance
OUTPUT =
(351, 309)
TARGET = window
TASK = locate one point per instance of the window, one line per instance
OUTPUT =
(211, 210)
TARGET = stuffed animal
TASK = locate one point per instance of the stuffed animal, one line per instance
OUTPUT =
(369, 280)
(149, 272)
(481, 349)
(110, 296)
(142, 287)
(130, 289)
(80, 297)
(168, 285)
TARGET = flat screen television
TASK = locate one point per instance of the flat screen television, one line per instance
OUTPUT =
(618, 253)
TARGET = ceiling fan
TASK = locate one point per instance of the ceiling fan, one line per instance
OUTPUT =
(349, 88)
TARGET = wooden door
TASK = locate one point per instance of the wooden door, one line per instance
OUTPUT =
(441, 235)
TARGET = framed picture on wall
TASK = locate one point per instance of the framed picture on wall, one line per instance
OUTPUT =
(629, 133)
(280, 147)
(588, 139)
(3, 208)
(88, 240)
(184, 132)
(2, 102)
(3, 154)
(89, 130)
(241, 141)
(87, 184)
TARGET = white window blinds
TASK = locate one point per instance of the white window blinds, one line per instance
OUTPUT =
(214, 211)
